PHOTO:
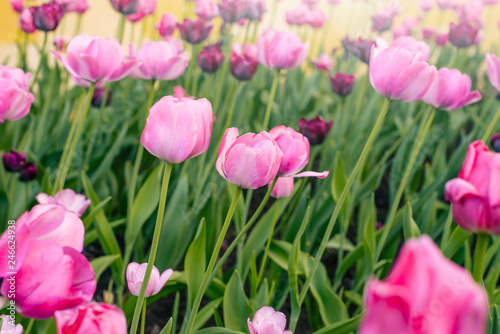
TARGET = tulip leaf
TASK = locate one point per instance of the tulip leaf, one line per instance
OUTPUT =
(95, 210)
(217, 330)
(342, 327)
(168, 327)
(195, 262)
(236, 306)
(457, 240)
(101, 264)
(206, 313)
(410, 228)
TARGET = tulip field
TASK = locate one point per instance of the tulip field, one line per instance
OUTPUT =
(228, 171)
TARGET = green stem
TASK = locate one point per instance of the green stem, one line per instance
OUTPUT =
(247, 33)
(215, 254)
(268, 245)
(272, 95)
(491, 126)
(233, 105)
(482, 240)
(154, 246)
(43, 115)
(78, 26)
(338, 206)
(42, 58)
(121, 29)
(143, 318)
(30, 326)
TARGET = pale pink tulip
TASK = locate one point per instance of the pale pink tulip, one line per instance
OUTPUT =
(493, 63)
(444, 4)
(16, 99)
(268, 321)
(316, 18)
(8, 327)
(167, 25)
(298, 16)
(146, 7)
(68, 199)
(324, 63)
(206, 9)
(95, 318)
(409, 43)
(135, 276)
(232, 11)
(281, 49)
(255, 9)
(283, 187)
(17, 5)
(77, 6)
(426, 5)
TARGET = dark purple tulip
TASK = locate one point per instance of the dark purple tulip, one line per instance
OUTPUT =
(360, 48)
(47, 16)
(382, 21)
(14, 161)
(29, 172)
(342, 84)
(195, 32)
(495, 142)
(462, 35)
(232, 11)
(99, 96)
(244, 62)
(126, 7)
(315, 130)
(210, 58)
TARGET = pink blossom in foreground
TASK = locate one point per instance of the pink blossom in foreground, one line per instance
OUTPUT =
(267, 320)
(95, 318)
(16, 99)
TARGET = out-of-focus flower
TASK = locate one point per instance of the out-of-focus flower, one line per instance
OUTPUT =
(495, 142)
(178, 129)
(283, 187)
(315, 130)
(125, 7)
(442, 39)
(195, 32)
(14, 161)
(95, 318)
(29, 172)
(77, 6)
(180, 93)
(17, 5)
(444, 4)
(342, 84)
(401, 304)
(255, 9)
(399, 74)
(68, 199)
(210, 59)
(159, 61)
(333, 2)
(98, 97)
(47, 16)
(26, 21)
(167, 25)
(493, 63)
(451, 90)
(473, 193)
(471, 12)
(16, 99)
(146, 7)
(93, 59)
(267, 320)
(250, 161)
(8, 328)
(135, 276)
(382, 20)
(281, 49)
(244, 61)
(316, 18)
(60, 43)
(462, 35)
(206, 9)
(232, 11)
(298, 16)
(428, 32)
(310, 3)
(324, 63)
(409, 43)
(426, 5)
(360, 48)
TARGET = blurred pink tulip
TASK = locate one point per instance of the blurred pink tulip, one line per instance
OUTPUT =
(310, 3)
(93, 59)
(342, 84)
(283, 187)
(409, 43)
(255, 9)
(77, 6)
(8, 328)
(17, 5)
(382, 21)
(268, 321)
(360, 48)
(68, 199)
(473, 194)
(250, 161)
(60, 43)
(146, 7)
(281, 49)
(244, 62)
(316, 18)
(210, 59)
(444, 4)
(442, 39)
(428, 32)
(159, 61)
(463, 35)
(135, 276)
(399, 74)
(493, 63)
(167, 25)
(297, 16)
(16, 99)
(451, 90)
(426, 5)
(206, 9)
(26, 21)
(178, 129)
(95, 318)
(315, 130)
(449, 302)
(125, 6)
(471, 12)
(47, 16)
(324, 63)
(232, 11)
(195, 32)
(180, 93)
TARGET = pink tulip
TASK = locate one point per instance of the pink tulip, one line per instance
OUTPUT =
(442, 39)
(68, 199)
(297, 16)
(471, 12)
(60, 43)
(210, 59)
(448, 302)
(316, 18)
(97, 59)
(167, 25)
(178, 129)
(77, 6)
(412, 45)
(315, 130)
(451, 90)
(17, 5)
(324, 63)
(493, 63)
(426, 5)
(400, 75)
(281, 49)
(125, 6)
(268, 321)
(342, 84)
(428, 32)
(360, 48)
(250, 161)
(180, 93)
(382, 20)
(159, 61)
(463, 35)
(244, 62)
(310, 3)
(47, 16)
(8, 327)
(473, 194)
(255, 9)
(95, 318)
(232, 11)
(444, 4)
(146, 7)
(135, 276)
(283, 187)
(26, 21)
(206, 9)
(16, 99)
(195, 32)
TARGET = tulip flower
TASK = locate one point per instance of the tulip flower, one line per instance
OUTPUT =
(442, 39)
(281, 49)
(146, 7)
(412, 45)
(167, 25)
(17, 5)
(462, 35)
(26, 21)
(16, 99)
(426, 5)
(95, 318)
(47, 16)
(342, 84)
(135, 276)
(60, 43)
(210, 59)
(244, 62)
(428, 32)
(159, 61)
(360, 48)
(125, 7)
(250, 161)
(444, 4)
(495, 142)
(232, 11)
(267, 320)
(77, 6)
(255, 9)
(493, 63)
(473, 195)
(298, 16)
(98, 97)
(283, 187)
(97, 59)
(451, 90)
(178, 129)
(470, 12)
(310, 3)
(206, 9)
(68, 199)
(449, 302)
(382, 21)
(315, 130)
(8, 328)
(316, 18)
(400, 75)
(14, 161)
(195, 32)
(324, 63)
(29, 172)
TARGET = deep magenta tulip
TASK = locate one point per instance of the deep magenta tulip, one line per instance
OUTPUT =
(451, 90)
(16, 99)
(315, 130)
(98, 97)
(324, 63)
(463, 35)
(283, 187)
(268, 321)
(493, 63)
(232, 11)
(449, 301)
(399, 74)
(47, 16)
(167, 25)
(14, 161)
(495, 142)
(146, 7)
(281, 49)
(29, 172)
(125, 6)
(210, 59)
(195, 32)
(178, 129)
(250, 161)
(95, 318)
(93, 59)
(342, 84)
(244, 62)
(68, 199)
(26, 21)
(17, 5)
(135, 276)
(428, 32)
(473, 193)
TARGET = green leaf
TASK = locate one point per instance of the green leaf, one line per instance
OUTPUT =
(457, 240)
(339, 178)
(334, 243)
(494, 321)
(206, 313)
(342, 327)
(101, 264)
(168, 327)
(410, 228)
(95, 210)
(369, 246)
(217, 330)
(236, 307)
(195, 262)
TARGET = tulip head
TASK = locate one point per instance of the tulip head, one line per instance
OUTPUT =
(167, 25)
(125, 7)
(342, 84)
(135, 277)
(195, 32)
(283, 187)
(206, 9)
(315, 130)
(210, 59)
(267, 320)
(324, 63)
(47, 16)
(26, 21)
(29, 172)
(16, 99)
(232, 11)
(463, 35)
(68, 199)
(493, 63)
(281, 49)
(295, 148)
(96, 318)
(244, 61)
(14, 161)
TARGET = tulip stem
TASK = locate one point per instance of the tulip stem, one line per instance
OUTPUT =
(268, 245)
(421, 134)
(42, 58)
(491, 126)
(30, 326)
(340, 203)
(121, 29)
(154, 245)
(215, 254)
(482, 240)
(143, 318)
(270, 102)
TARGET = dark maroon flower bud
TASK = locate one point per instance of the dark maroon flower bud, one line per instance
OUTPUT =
(99, 96)
(378, 226)
(495, 142)
(126, 7)
(47, 16)
(232, 11)
(210, 58)
(196, 31)
(360, 48)
(29, 172)
(463, 35)
(316, 130)
(244, 63)
(13, 161)
(342, 84)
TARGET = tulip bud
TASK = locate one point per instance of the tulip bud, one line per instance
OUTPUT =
(135, 276)
(206, 9)
(47, 16)
(68, 199)
(297, 16)
(232, 11)
(244, 62)
(98, 97)
(195, 32)
(14, 161)
(462, 35)
(29, 172)
(26, 21)
(17, 5)
(267, 320)
(427, 32)
(167, 25)
(77, 6)
(442, 39)
(146, 7)
(316, 130)
(210, 59)
(495, 142)
(255, 9)
(316, 18)
(324, 63)
(342, 84)
(283, 187)
(126, 7)
(281, 49)
(425, 5)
